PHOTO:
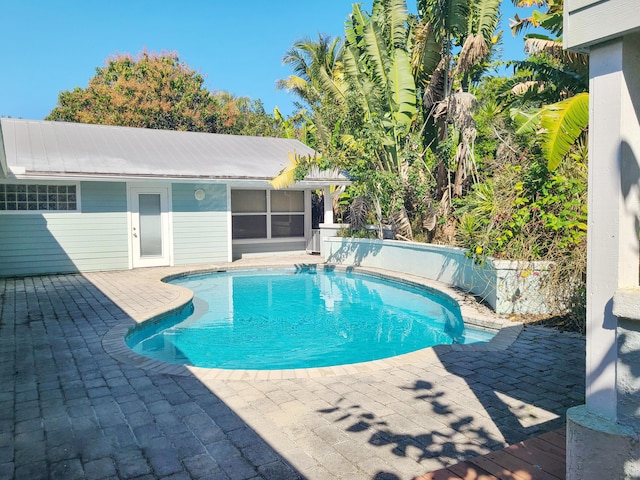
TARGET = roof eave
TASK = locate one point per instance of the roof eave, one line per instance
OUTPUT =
(20, 174)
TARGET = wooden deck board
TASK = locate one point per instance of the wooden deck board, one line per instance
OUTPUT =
(537, 458)
(469, 471)
(496, 469)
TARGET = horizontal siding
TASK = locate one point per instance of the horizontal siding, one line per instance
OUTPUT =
(199, 226)
(184, 201)
(69, 242)
(60, 243)
(103, 197)
(200, 237)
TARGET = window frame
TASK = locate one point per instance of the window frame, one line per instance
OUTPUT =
(268, 215)
(76, 185)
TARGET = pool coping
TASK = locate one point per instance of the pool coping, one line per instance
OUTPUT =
(473, 314)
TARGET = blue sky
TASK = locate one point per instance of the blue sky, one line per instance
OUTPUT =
(51, 46)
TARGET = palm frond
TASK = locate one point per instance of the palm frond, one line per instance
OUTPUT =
(529, 3)
(401, 224)
(527, 121)
(563, 123)
(435, 89)
(517, 24)
(448, 17)
(541, 43)
(430, 217)
(358, 213)
(426, 53)
(473, 51)
(287, 178)
(530, 86)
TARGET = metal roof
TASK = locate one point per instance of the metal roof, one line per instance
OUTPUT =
(42, 148)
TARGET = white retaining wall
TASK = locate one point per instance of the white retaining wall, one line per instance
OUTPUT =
(507, 286)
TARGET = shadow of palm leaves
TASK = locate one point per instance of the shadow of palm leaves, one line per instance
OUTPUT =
(481, 402)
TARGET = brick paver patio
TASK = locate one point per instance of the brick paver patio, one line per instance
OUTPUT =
(69, 409)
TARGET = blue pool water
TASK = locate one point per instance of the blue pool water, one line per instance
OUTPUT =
(288, 318)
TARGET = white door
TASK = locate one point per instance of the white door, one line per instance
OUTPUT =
(149, 226)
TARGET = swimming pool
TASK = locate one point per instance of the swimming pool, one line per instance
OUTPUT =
(300, 318)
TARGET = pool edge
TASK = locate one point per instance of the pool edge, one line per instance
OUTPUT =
(472, 312)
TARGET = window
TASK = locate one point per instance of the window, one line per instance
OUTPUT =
(267, 214)
(18, 198)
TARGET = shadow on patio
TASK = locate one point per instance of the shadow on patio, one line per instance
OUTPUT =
(70, 411)
(516, 393)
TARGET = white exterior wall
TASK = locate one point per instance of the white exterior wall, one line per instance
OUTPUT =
(603, 436)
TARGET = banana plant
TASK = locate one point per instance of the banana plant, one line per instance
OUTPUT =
(556, 86)
(560, 124)
(378, 69)
(563, 123)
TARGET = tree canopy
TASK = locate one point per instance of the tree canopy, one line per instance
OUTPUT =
(160, 91)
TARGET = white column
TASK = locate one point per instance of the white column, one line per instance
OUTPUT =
(603, 436)
(328, 205)
(604, 223)
(612, 242)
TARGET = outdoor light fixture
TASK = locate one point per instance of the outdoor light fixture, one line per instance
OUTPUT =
(199, 194)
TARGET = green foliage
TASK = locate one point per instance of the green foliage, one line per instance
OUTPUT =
(563, 123)
(526, 202)
(476, 162)
(378, 70)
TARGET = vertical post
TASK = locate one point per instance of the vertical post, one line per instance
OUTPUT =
(612, 242)
(603, 241)
(603, 436)
(328, 206)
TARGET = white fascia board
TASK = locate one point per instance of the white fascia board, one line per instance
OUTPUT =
(589, 22)
(22, 175)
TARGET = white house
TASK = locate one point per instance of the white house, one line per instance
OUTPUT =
(78, 197)
(603, 436)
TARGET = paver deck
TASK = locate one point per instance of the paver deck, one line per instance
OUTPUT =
(73, 407)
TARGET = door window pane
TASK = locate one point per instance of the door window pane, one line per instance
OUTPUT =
(150, 225)
(287, 201)
(248, 201)
(287, 226)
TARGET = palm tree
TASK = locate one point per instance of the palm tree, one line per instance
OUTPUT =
(551, 20)
(317, 70)
(445, 78)
(318, 81)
